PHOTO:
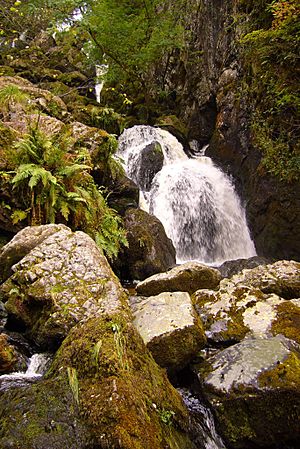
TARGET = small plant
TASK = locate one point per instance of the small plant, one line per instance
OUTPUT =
(120, 343)
(10, 97)
(166, 416)
(96, 352)
(73, 382)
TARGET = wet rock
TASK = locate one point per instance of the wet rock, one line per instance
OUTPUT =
(152, 160)
(254, 390)
(170, 328)
(231, 267)
(187, 277)
(125, 194)
(149, 251)
(44, 416)
(22, 244)
(124, 396)
(63, 280)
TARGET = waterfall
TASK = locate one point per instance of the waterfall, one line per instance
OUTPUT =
(37, 366)
(194, 199)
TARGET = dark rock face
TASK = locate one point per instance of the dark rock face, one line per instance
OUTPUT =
(125, 194)
(231, 267)
(150, 251)
(152, 160)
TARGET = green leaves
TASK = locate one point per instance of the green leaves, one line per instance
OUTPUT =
(56, 188)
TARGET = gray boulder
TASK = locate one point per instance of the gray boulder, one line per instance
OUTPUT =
(281, 278)
(170, 328)
(60, 282)
(254, 390)
(22, 244)
(187, 277)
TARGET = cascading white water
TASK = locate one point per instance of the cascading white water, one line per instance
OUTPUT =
(195, 200)
(36, 368)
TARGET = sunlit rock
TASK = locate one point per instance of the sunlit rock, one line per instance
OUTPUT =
(187, 277)
(170, 328)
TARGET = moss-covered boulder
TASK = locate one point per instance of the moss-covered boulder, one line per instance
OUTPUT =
(124, 397)
(170, 328)
(254, 390)
(44, 416)
(61, 281)
(187, 277)
(149, 249)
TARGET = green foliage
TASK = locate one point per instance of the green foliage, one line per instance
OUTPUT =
(56, 188)
(166, 416)
(271, 56)
(12, 96)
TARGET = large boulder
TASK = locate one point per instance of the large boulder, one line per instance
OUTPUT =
(281, 278)
(231, 315)
(187, 277)
(22, 244)
(63, 280)
(149, 249)
(254, 390)
(103, 389)
(252, 303)
(123, 395)
(170, 328)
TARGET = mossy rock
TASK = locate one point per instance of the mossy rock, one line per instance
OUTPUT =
(187, 277)
(149, 251)
(254, 390)
(175, 126)
(43, 415)
(122, 394)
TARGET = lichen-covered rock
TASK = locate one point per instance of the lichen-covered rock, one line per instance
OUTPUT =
(187, 277)
(254, 390)
(170, 328)
(230, 314)
(22, 244)
(149, 249)
(123, 395)
(63, 280)
(281, 278)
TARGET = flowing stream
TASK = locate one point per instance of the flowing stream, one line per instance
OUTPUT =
(37, 366)
(195, 200)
